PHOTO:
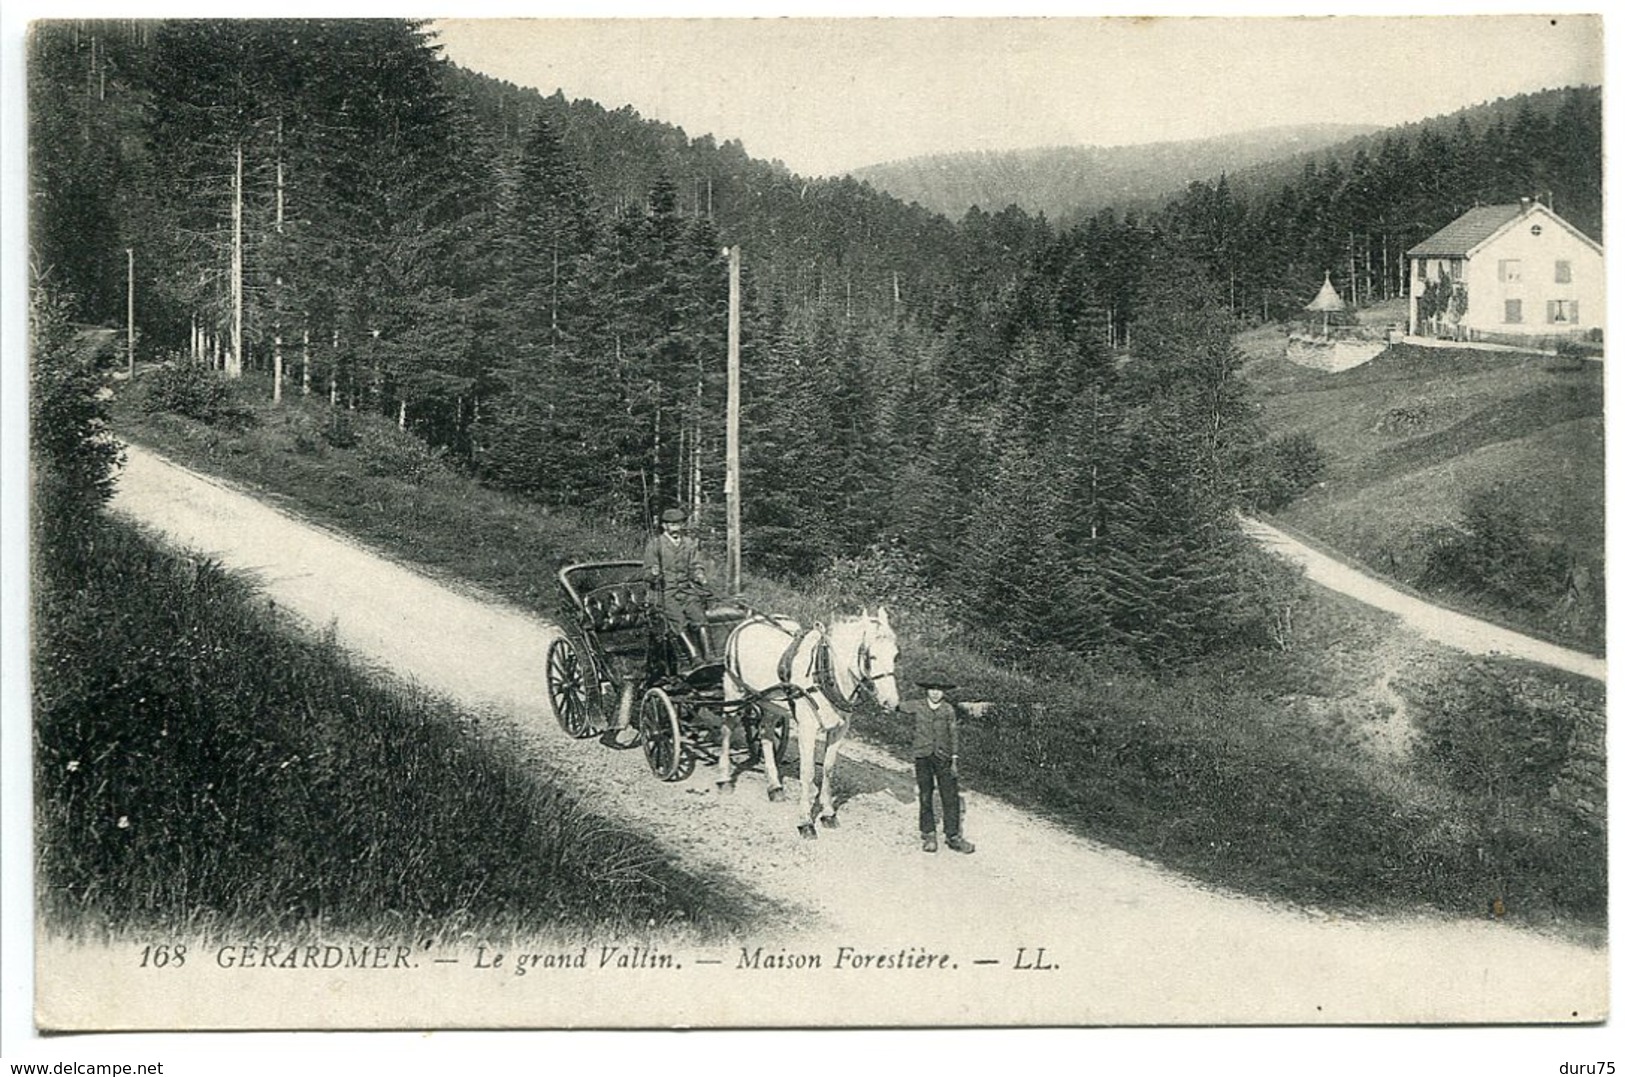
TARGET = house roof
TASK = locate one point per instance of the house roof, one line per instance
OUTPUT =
(1460, 236)
(1464, 235)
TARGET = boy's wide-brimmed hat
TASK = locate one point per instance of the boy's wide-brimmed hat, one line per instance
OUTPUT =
(934, 678)
(674, 516)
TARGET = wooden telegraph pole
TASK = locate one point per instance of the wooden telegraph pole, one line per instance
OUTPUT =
(735, 544)
(234, 359)
(129, 307)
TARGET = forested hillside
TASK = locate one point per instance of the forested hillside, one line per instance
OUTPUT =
(1271, 234)
(1544, 144)
(1068, 183)
(1533, 144)
(1046, 429)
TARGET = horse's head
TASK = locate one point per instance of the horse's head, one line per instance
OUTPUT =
(877, 658)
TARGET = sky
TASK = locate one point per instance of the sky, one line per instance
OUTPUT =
(828, 95)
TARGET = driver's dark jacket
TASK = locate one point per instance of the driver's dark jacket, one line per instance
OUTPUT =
(676, 566)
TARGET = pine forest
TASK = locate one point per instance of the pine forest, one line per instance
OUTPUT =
(1044, 426)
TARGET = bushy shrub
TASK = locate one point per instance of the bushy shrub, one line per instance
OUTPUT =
(339, 430)
(392, 453)
(74, 452)
(1287, 466)
(1495, 554)
(1489, 730)
(889, 574)
(1573, 353)
(1268, 590)
(304, 430)
(195, 391)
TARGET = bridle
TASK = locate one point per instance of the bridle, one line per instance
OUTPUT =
(867, 679)
(865, 662)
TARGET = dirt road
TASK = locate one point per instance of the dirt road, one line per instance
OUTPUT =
(1123, 941)
(1441, 625)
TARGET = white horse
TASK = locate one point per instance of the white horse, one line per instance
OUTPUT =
(819, 674)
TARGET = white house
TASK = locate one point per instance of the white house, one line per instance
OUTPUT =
(1511, 273)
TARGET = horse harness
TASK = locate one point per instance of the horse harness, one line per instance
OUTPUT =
(823, 672)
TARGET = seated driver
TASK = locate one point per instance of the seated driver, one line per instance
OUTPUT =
(677, 572)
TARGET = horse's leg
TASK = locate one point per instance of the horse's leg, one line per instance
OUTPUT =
(770, 764)
(775, 784)
(807, 742)
(725, 784)
(826, 788)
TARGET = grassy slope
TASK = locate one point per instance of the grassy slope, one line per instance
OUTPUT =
(1273, 773)
(181, 789)
(1556, 470)
(1413, 433)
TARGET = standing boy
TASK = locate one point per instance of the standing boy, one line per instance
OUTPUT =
(936, 761)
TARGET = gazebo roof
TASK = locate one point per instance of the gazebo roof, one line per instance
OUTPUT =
(1328, 299)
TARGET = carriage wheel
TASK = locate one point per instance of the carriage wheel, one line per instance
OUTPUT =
(567, 688)
(662, 735)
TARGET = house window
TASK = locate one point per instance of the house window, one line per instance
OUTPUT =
(1514, 311)
(1565, 273)
(1511, 271)
(1562, 311)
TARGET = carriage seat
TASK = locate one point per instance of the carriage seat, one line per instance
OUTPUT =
(617, 607)
(725, 614)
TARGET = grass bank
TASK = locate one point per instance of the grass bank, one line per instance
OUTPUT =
(1319, 775)
(1412, 437)
(201, 767)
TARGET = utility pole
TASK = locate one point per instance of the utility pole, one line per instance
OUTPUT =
(735, 544)
(1354, 280)
(279, 175)
(234, 360)
(276, 344)
(1385, 274)
(129, 307)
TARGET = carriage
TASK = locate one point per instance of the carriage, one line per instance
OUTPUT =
(781, 687)
(621, 654)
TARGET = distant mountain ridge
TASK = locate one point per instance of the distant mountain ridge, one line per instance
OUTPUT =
(1075, 181)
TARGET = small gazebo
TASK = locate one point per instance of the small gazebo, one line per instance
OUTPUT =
(1325, 302)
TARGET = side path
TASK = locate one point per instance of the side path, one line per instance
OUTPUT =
(1125, 941)
(1444, 626)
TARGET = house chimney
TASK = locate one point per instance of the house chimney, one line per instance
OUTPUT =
(1525, 203)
